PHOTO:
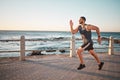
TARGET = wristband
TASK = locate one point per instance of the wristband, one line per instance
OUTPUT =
(98, 36)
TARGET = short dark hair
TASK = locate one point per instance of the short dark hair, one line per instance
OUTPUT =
(83, 18)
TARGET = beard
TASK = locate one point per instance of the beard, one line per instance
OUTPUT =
(81, 22)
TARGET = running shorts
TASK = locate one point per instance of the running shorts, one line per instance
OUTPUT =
(87, 46)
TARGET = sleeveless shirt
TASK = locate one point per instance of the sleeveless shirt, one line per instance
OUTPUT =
(86, 35)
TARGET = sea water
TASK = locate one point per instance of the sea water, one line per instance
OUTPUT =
(49, 40)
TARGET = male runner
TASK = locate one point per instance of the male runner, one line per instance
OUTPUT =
(85, 31)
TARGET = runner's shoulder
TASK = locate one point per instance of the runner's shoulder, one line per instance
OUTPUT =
(78, 26)
(90, 26)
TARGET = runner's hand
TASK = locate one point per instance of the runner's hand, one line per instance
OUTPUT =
(99, 40)
(71, 23)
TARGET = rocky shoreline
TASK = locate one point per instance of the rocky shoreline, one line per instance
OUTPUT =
(37, 52)
(107, 39)
(117, 41)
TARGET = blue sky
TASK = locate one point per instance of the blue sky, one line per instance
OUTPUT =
(54, 15)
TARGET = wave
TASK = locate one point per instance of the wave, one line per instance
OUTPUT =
(51, 40)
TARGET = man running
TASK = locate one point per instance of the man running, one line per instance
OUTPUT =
(85, 31)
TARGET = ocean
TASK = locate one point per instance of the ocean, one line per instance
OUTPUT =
(49, 40)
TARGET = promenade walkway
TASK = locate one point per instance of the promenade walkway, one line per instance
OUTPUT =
(60, 67)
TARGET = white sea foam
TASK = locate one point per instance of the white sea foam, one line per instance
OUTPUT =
(49, 40)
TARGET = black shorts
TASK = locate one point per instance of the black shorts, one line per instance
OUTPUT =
(87, 46)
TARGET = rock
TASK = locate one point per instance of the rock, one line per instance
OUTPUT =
(50, 50)
(77, 39)
(62, 51)
(104, 38)
(116, 41)
(60, 38)
(36, 53)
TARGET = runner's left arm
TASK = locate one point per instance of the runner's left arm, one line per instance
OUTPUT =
(92, 27)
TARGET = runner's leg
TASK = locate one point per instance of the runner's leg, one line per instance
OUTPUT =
(92, 52)
(79, 52)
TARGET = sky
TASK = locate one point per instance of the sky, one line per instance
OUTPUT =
(54, 15)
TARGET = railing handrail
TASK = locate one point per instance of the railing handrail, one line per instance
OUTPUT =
(72, 47)
(8, 40)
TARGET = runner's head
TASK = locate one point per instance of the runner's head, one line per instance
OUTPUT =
(82, 20)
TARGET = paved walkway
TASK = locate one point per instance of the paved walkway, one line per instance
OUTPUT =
(60, 67)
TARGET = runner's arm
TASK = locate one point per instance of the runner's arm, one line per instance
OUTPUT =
(73, 31)
(92, 27)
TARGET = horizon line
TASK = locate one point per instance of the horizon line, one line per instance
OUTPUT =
(52, 30)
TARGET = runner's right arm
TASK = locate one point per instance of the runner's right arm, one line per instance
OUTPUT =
(73, 31)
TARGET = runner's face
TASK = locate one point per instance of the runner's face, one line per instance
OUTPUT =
(81, 21)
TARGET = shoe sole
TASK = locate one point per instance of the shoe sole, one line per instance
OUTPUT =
(81, 68)
(101, 66)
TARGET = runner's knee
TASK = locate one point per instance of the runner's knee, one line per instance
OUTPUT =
(91, 52)
(79, 51)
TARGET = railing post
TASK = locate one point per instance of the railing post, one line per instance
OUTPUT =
(111, 48)
(22, 49)
(72, 46)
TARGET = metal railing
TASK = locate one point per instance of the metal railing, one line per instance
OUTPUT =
(72, 46)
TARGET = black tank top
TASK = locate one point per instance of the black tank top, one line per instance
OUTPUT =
(86, 35)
